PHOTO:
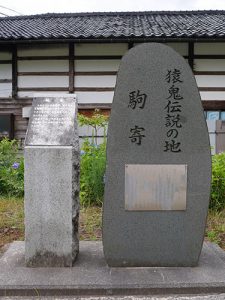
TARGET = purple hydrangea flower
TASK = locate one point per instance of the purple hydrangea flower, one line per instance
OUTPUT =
(15, 165)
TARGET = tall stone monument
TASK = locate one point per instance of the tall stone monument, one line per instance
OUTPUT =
(158, 163)
(52, 183)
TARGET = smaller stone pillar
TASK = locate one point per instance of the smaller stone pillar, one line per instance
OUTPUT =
(52, 183)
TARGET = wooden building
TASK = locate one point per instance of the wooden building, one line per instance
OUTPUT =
(80, 53)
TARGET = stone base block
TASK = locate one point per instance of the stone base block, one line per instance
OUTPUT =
(51, 206)
(92, 277)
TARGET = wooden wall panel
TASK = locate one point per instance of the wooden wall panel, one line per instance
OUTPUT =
(15, 107)
(92, 84)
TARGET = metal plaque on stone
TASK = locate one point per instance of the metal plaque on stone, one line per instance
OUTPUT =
(155, 187)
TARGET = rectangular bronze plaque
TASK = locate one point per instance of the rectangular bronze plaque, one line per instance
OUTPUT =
(155, 187)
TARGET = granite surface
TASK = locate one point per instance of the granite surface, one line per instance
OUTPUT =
(51, 205)
(156, 119)
(52, 182)
(91, 276)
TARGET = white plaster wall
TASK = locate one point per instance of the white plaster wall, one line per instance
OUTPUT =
(102, 65)
(43, 81)
(212, 95)
(43, 66)
(89, 131)
(5, 89)
(97, 65)
(43, 50)
(210, 80)
(209, 48)
(5, 55)
(95, 81)
(95, 97)
(181, 48)
(101, 49)
(209, 65)
(31, 94)
(6, 71)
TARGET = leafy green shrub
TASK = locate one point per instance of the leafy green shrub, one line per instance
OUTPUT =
(217, 202)
(93, 161)
(92, 170)
(96, 121)
(11, 169)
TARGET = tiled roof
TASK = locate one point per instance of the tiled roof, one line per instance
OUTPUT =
(121, 25)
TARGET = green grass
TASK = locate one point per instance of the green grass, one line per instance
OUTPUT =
(215, 230)
(11, 220)
(12, 223)
(91, 223)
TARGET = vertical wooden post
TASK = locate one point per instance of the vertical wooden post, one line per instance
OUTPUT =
(14, 72)
(130, 45)
(71, 67)
(191, 55)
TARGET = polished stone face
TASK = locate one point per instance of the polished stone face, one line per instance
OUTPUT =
(155, 211)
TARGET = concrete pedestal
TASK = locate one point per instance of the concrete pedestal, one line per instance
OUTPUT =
(51, 206)
(92, 277)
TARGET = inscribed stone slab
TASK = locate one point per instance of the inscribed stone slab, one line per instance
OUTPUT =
(156, 119)
(52, 121)
(52, 183)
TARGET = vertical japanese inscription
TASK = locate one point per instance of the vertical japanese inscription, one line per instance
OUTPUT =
(137, 100)
(173, 110)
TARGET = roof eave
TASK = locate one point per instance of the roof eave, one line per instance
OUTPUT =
(115, 40)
